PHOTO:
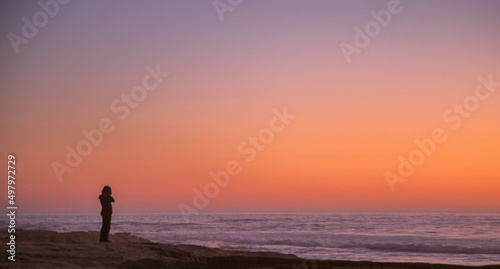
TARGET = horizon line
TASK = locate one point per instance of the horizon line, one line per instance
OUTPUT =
(262, 212)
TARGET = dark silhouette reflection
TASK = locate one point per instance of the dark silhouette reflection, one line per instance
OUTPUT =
(106, 212)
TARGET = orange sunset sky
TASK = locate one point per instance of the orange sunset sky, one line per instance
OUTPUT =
(227, 77)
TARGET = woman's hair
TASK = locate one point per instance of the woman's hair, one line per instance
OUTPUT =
(106, 190)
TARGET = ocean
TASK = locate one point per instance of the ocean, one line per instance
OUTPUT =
(451, 238)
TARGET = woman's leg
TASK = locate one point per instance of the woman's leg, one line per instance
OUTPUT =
(106, 225)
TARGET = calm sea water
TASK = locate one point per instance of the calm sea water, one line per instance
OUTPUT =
(453, 238)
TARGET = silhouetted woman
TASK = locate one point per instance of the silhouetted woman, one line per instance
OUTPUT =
(106, 212)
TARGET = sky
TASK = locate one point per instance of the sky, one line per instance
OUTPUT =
(292, 105)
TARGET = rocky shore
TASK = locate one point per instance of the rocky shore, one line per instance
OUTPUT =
(48, 249)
